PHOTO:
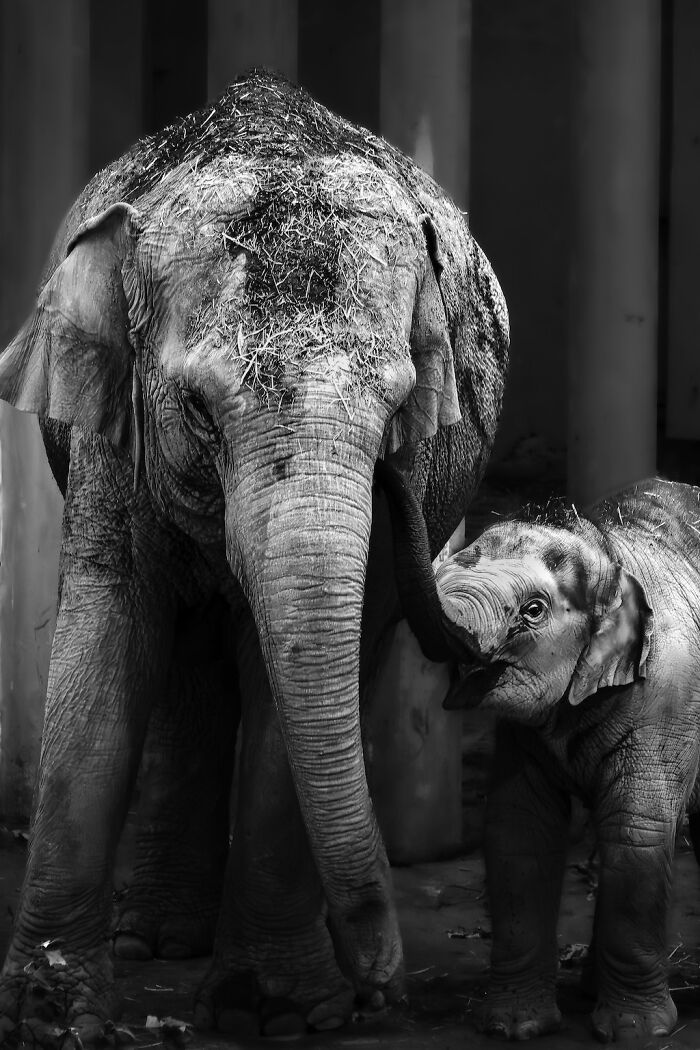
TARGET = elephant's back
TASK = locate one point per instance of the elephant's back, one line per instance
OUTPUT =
(657, 522)
(261, 115)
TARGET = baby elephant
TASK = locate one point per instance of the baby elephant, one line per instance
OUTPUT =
(584, 631)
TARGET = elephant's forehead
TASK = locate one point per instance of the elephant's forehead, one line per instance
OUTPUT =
(551, 555)
(518, 538)
(193, 200)
(298, 262)
(508, 578)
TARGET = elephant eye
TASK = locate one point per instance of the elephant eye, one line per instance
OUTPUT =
(534, 610)
(198, 408)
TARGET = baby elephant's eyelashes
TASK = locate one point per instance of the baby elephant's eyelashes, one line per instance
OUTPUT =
(534, 610)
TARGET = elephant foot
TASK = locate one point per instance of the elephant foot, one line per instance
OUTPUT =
(178, 936)
(248, 1004)
(163, 919)
(519, 1016)
(618, 1023)
(368, 949)
(58, 1000)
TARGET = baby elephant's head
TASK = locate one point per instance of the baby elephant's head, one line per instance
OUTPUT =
(538, 613)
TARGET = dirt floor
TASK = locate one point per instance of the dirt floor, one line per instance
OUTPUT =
(445, 924)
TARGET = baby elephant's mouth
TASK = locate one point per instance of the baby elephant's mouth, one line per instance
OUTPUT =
(474, 682)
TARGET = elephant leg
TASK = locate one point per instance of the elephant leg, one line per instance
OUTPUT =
(527, 821)
(182, 840)
(274, 970)
(109, 658)
(634, 891)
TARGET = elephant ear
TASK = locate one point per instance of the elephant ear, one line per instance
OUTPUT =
(433, 402)
(72, 361)
(617, 651)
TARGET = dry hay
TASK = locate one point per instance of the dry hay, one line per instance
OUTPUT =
(319, 242)
(261, 115)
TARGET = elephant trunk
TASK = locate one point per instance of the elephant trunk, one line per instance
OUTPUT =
(298, 529)
(427, 610)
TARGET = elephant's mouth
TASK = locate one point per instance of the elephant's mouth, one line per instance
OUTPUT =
(475, 681)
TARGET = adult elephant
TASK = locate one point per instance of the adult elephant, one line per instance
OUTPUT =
(241, 316)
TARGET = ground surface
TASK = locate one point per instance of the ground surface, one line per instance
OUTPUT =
(445, 924)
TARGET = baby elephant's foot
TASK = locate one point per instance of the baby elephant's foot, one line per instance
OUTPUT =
(625, 1021)
(519, 1016)
(245, 1004)
(53, 1000)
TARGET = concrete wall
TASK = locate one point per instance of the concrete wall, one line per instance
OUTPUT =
(44, 65)
(241, 34)
(519, 206)
(683, 363)
(613, 332)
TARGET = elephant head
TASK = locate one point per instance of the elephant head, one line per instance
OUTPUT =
(532, 613)
(261, 304)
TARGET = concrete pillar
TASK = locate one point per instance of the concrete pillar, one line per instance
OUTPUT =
(612, 357)
(244, 34)
(424, 87)
(414, 747)
(338, 57)
(683, 375)
(416, 754)
(43, 145)
(175, 59)
(116, 79)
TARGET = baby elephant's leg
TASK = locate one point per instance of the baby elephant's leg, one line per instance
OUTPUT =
(636, 856)
(527, 822)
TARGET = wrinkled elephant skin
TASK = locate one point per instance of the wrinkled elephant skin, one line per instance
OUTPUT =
(582, 631)
(241, 316)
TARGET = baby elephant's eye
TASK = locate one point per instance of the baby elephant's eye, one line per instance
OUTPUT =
(534, 610)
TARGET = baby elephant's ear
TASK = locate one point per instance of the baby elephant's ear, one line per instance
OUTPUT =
(72, 360)
(619, 645)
